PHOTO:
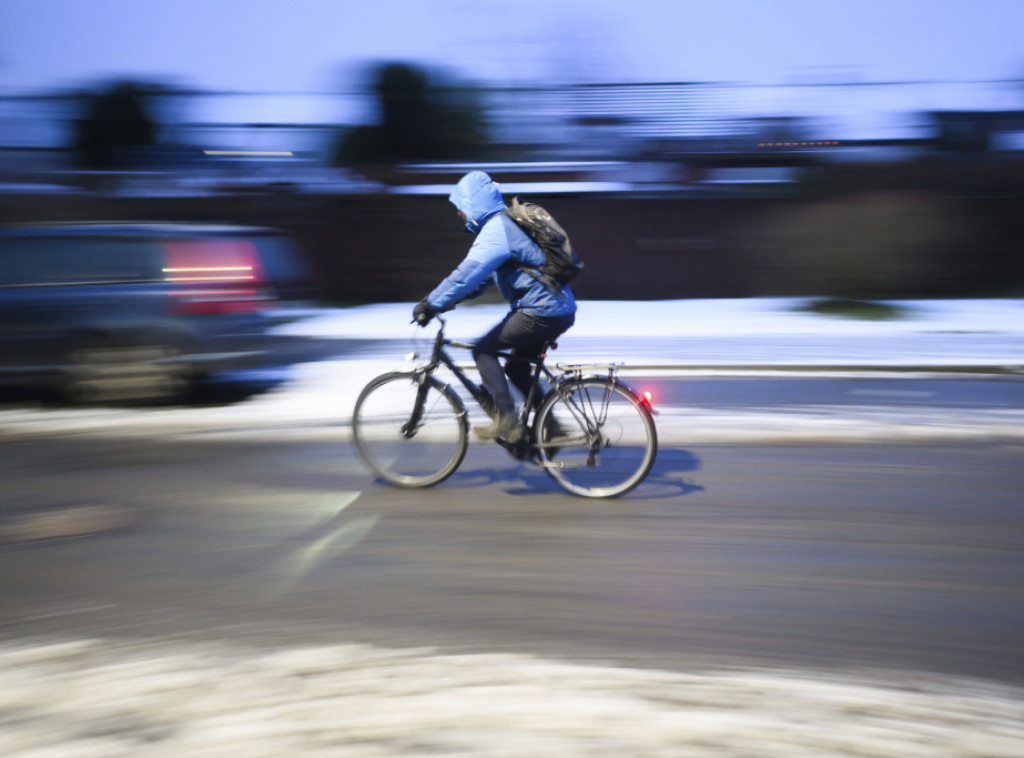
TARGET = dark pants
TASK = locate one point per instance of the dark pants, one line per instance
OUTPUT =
(524, 335)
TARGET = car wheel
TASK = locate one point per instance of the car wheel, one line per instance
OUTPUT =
(98, 371)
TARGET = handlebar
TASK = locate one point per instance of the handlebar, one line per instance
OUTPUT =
(435, 317)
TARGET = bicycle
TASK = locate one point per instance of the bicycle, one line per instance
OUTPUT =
(592, 434)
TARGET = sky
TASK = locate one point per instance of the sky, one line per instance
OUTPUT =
(321, 45)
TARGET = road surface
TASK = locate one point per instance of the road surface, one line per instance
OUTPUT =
(175, 591)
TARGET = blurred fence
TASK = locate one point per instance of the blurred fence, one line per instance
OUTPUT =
(931, 229)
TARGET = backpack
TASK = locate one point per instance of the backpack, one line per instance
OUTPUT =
(561, 263)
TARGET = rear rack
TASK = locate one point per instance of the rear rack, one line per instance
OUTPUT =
(577, 368)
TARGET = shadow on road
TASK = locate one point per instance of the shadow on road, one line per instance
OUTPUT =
(665, 480)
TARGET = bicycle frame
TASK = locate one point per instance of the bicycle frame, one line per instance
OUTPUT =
(591, 418)
(440, 357)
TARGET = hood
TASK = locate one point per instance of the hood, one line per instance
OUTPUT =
(477, 196)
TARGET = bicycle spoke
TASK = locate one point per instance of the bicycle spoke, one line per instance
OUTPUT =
(594, 438)
(409, 429)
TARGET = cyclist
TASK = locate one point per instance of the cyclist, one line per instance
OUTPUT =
(537, 313)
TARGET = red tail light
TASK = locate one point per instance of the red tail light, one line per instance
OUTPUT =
(218, 276)
(213, 301)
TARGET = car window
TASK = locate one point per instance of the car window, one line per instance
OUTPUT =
(51, 261)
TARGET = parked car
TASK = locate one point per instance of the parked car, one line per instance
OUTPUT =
(117, 311)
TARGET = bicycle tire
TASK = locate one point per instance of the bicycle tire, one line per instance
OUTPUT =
(410, 458)
(595, 437)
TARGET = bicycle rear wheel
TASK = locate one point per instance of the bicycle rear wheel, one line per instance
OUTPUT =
(410, 429)
(595, 438)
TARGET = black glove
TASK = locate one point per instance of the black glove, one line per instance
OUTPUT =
(423, 313)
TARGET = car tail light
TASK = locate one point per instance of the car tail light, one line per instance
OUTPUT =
(216, 276)
(214, 301)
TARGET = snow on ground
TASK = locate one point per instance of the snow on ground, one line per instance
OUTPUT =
(106, 699)
(763, 334)
(317, 404)
(674, 318)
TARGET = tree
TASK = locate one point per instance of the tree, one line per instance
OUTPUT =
(419, 119)
(115, 125)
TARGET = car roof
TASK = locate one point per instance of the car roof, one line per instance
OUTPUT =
(132, 229)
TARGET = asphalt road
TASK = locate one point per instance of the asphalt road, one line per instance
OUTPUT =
(894, 557)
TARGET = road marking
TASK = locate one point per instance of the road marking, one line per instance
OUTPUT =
(72, 521)
(894, 393)
(341, 535)
(68, 612)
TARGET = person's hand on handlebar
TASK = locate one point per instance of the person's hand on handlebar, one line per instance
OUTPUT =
(422, 314)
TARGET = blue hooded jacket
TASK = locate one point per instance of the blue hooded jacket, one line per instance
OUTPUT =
(499, 247)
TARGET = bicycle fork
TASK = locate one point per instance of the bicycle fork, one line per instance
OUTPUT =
(410, 427)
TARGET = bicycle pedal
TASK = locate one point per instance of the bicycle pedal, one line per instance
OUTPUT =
(556, 464)
(518, 450)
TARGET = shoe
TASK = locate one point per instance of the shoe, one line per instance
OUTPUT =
(506, 428)
(488, 432)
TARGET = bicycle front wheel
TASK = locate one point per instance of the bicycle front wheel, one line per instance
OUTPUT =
(595, 438)
(410, 429)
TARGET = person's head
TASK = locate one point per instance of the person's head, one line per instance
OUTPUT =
(474, 197)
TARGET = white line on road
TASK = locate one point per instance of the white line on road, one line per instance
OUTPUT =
(68, 612)
(339, 536)
(893, 393)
